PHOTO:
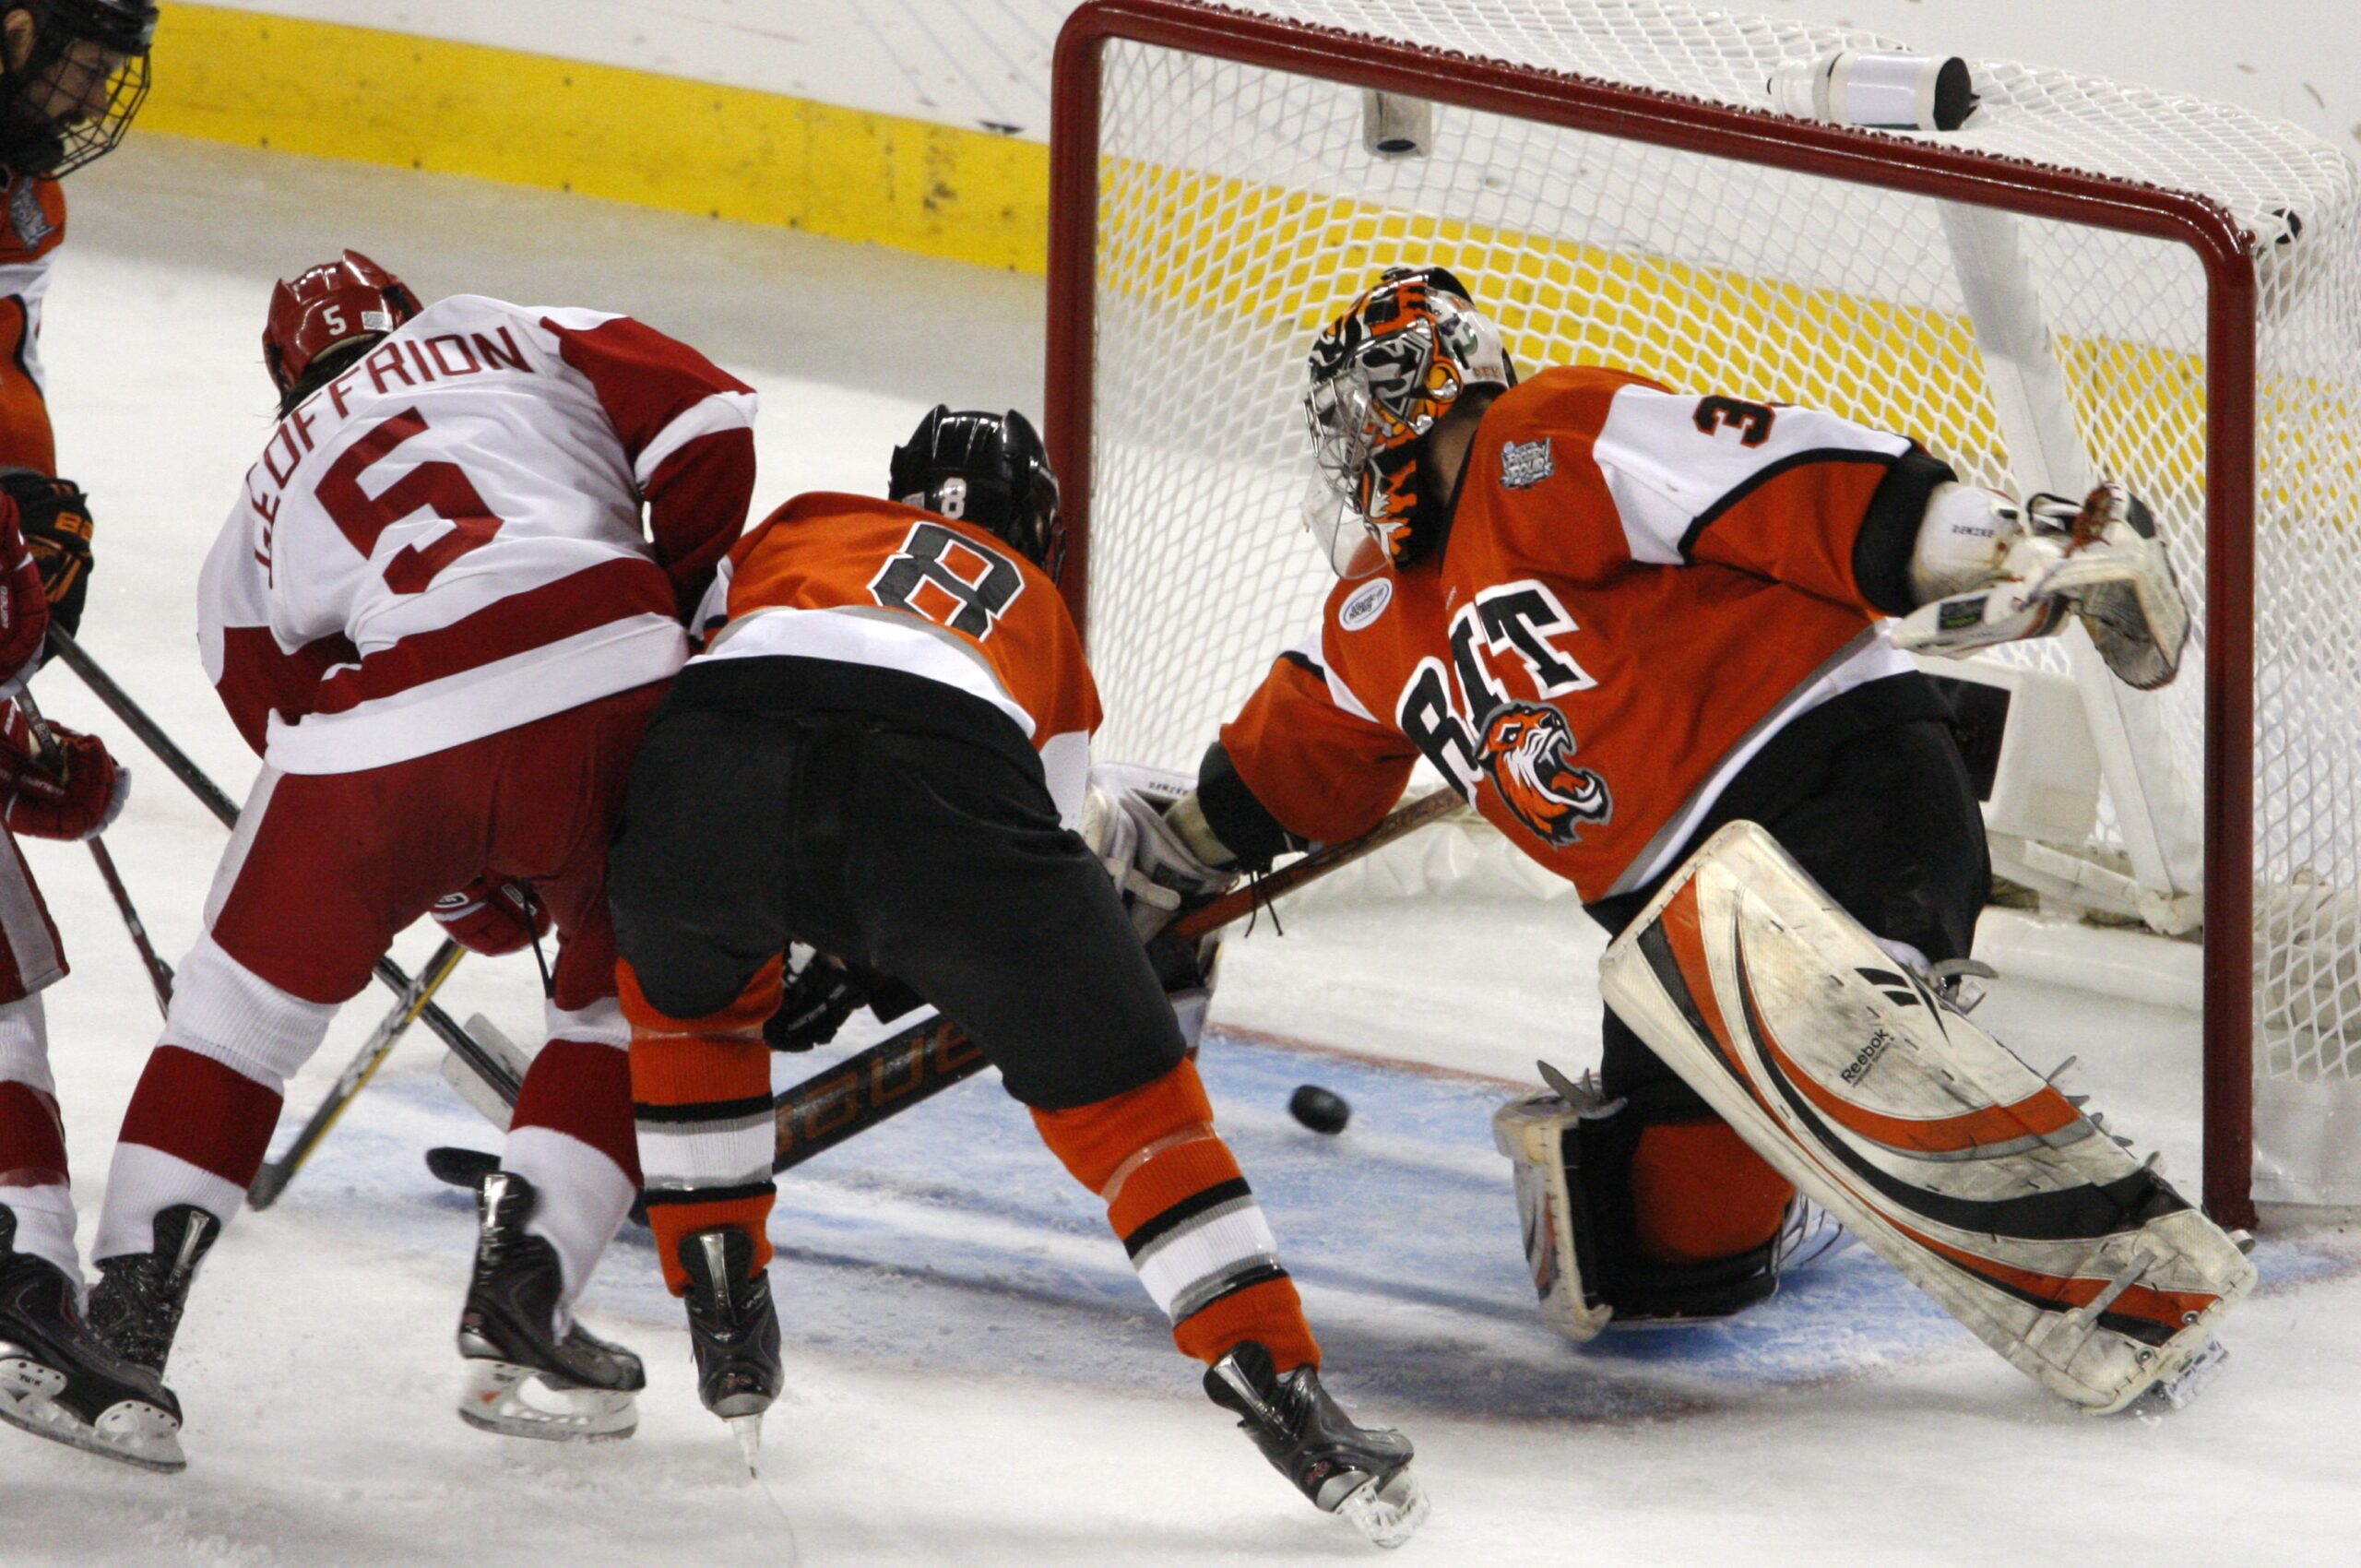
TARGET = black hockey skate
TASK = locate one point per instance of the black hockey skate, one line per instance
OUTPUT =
(135, 1306)
(734, 1329)
(524, 1378)
(60, 1381)
(1360, 1472)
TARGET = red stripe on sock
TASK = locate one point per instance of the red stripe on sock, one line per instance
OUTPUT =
(584, 1091)
(195, 1109)
(32, 1138)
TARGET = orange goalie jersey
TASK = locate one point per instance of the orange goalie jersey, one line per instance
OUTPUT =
(849, 601)
(1640, 589)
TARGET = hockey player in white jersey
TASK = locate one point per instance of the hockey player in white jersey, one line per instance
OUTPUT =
(437, 613)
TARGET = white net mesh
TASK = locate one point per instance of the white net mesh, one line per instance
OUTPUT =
(1240, 208)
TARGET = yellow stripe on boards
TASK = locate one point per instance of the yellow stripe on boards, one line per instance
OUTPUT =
(376, 97)
(1278, 259)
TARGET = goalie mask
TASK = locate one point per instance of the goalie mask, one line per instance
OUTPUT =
(1382, 375)
(988, 470)
(72, 74)
(325, 314)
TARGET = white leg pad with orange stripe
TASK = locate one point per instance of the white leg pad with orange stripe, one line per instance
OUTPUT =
(1927, 1138)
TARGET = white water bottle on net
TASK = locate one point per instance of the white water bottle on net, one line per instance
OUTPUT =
(2044, 277)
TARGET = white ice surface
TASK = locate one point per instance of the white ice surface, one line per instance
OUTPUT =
(974, 1377)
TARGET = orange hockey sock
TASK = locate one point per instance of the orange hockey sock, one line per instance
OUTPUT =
(1700, 1194)
(701, 1103)
(1185, 1214)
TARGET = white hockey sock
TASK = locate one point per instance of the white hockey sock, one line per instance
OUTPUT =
(45, 1226)
(582, 1198)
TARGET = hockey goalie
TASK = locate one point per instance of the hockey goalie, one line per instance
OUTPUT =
(1661, 641)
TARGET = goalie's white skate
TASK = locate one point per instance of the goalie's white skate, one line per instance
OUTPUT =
(1927, 1138)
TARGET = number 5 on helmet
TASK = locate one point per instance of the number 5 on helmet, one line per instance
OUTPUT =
(1927, 1138)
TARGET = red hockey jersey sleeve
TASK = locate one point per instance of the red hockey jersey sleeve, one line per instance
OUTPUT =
(1311, 754)
(686, 427)
(1772, 491)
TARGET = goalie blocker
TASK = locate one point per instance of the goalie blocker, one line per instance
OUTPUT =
(1928, 1139)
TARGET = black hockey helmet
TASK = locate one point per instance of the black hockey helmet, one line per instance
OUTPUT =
(82, 74)
(990, 469)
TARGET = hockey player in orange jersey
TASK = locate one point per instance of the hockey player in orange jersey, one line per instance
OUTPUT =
(72, 74)
(879, 755)
(1618, 617)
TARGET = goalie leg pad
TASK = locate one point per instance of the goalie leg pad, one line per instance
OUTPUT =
(1593, 1256)
(1925, 1137)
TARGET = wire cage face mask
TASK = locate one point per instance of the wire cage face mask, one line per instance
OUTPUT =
(72, 97)
(1381, 375)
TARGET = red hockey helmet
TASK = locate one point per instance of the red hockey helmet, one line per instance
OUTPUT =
(325, 308)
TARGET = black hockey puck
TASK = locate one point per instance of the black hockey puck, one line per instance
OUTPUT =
(1323, 1111)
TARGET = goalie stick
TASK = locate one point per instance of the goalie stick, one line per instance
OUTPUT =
(183, 767)
(272, 1179)
(887, 1078)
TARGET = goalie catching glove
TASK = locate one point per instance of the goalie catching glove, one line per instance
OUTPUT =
(1987, 571)
(58, 783)
(1924, 1136)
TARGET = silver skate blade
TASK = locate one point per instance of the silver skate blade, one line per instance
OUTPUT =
(2179, 1390)
(517, 1401)
(1387, 1511)
(1565, 1089)
(748, 1431)
(133, 1432)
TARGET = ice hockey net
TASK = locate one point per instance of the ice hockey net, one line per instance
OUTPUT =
(1613, 179)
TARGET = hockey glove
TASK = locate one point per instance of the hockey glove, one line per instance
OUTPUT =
(1155, 871)
(24, 605)
(2100, 560)
(492, 917)
(820, 994)
(75, 791)
(821, 991)
(55, 518)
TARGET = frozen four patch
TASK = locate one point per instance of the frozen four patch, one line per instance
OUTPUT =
(32, 225)
(1525, 464)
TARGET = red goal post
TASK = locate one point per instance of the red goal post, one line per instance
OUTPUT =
(1185, 228)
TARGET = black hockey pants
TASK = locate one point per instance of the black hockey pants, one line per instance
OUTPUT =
(936, 859)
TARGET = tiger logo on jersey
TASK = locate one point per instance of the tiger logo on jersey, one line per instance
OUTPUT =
(1528, 750)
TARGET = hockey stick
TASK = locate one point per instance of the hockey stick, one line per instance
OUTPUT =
(926, 1058)
(921, 1062)
(272, 1179)
(183, 767)
(159, 973)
